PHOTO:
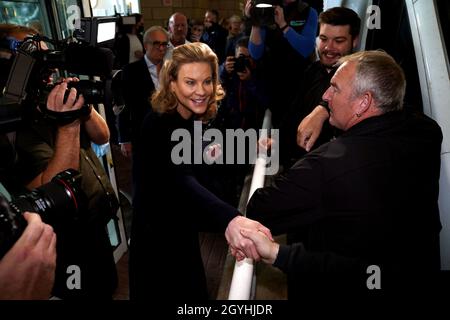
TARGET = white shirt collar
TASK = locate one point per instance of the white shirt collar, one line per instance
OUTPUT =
(148, 62)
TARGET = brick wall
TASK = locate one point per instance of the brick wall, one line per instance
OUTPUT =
(157, 13)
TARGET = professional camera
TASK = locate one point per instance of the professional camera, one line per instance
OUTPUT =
(85, 53)
(263, 12)
(241, 63)
(57, 202)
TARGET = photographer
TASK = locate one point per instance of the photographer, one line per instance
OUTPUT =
(53, 141)
(27, 270)
(284, 42)
(246, 99)
(44, 149)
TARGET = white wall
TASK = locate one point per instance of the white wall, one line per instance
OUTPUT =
(433, 67)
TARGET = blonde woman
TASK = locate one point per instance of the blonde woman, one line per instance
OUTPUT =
(170, 205)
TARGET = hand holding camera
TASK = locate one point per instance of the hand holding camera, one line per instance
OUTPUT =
(265, 13)
(27, 271)
(62, 194)
(247, 8)
(58, 100)
(279, 17)
(229, 64)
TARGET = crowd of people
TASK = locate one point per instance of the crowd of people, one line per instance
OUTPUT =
(359, 181)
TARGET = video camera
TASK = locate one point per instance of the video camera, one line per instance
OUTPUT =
(86, 53)
(57, 202)
(263, 12)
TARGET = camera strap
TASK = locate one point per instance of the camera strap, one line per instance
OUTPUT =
(63, 118)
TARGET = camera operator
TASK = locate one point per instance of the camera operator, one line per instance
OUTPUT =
(27, 270)
(44, 149)
(284, 43)
(47, 145)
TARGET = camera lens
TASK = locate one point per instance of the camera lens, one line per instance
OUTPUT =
(92, 91)
(241, 63)
(12, 225)
(57, 202)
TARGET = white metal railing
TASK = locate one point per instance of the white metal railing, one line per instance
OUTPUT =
(243, 280)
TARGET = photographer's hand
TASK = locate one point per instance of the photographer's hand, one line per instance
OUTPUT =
(67, 145)
(279, 17)
(245, 75)
(229, 64)
(247, 8)
(27, 271)
(55, 99)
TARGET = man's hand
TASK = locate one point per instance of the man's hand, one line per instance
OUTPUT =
(126, 149)
(310, 128)
(229, 64)
(240, 246)
(27, 271)
(267, 249)
(55, 99)
(245, 75)
(265, 145)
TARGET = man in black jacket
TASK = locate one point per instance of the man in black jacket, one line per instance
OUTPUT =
(304, 126)
(369, 198)
(140, 79)
(214, 35)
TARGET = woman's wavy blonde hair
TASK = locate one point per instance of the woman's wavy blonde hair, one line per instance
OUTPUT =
(164, 100)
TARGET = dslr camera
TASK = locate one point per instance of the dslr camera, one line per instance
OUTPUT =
(57, 202)
(86, 53)
(241, 62)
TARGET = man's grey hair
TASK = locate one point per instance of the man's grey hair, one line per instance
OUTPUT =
(378, 73)
(153, 29)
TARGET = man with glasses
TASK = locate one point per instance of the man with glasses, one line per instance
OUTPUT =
(140, 79)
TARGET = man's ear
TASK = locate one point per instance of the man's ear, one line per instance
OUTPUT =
(355, 42)
(365, 103)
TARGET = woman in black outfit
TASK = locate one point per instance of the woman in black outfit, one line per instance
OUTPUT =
(170, 204)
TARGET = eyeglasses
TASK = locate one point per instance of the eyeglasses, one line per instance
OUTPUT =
(159, 43)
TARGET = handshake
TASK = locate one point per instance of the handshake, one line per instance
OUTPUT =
(250, 239)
